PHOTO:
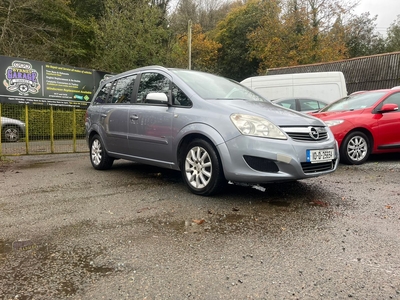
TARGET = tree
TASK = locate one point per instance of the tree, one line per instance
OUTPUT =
(88, 8)
(204, 51)
(131, 34)
(187, 10)
(234, 59)
(206, 13)
(46, 30)
(297, 32)
(213, 11)
(393, 36)
(361, 37)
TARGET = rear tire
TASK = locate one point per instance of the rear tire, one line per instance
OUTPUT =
(98, 155)
(202, 169)
(355, 148)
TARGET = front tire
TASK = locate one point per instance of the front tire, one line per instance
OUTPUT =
(201, 168)
(355, 148)
(98, 156)
(11, 133)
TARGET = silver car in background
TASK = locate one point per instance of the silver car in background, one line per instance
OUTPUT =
(212, 129)
(12, 130)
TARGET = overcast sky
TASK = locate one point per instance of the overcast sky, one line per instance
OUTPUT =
(387, 11)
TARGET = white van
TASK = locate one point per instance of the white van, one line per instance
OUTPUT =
(328, 86)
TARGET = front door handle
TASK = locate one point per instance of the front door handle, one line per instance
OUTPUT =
(134, 117)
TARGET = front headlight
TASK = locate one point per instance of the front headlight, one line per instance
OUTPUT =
(331, 123)
(256, 126)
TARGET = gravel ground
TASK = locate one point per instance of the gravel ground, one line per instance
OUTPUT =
(135, 232)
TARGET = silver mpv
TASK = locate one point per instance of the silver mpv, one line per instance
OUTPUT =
(212, 129)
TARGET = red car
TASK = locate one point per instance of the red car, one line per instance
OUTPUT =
(364, 123)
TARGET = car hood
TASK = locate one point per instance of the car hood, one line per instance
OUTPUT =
(276, 114)
(10, 121)
(331, 115)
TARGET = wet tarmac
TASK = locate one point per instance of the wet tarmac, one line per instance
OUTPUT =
(135, 232)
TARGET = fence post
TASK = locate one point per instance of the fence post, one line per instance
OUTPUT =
(26, 129)
(74, 129)
(51, 130)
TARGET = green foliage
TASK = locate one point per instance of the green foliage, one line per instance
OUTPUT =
(130, 34)
(204, 51)
(40, 123)
(234, 60)
(393, 39)
(206, 13)
(295, 33)
(250, 35)
(361, 38)
(88, 8)
(46, 30)
(39, 120)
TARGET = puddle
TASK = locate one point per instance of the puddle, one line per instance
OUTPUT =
(34, 165)
(28, 269)
(5, 247)
(217, 224)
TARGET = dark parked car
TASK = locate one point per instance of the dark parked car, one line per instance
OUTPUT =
(11, 129)
(305, 105)
(212, 129)
(364, 123)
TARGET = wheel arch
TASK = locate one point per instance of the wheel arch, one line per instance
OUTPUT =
(198, 131)
(92, 132)
(363, 130)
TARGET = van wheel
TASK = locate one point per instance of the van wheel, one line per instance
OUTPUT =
(355, 148)
(98, 155)
(201, 168)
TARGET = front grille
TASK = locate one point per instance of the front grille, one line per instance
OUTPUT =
(306, 133)
(309, 168)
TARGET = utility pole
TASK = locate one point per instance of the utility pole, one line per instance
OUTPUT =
(190, 43)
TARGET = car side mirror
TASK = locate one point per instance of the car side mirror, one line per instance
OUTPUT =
(389, 107)
(156, 98)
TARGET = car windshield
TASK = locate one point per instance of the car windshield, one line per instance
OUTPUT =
(213, 87)
(353, 102)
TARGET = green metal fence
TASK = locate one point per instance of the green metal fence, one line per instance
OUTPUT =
(36, 129)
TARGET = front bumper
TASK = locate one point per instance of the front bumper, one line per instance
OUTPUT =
(274, 160)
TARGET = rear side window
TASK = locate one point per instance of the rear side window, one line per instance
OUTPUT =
(309, 104)
(122, 90)
(291, 103)
(103, 94)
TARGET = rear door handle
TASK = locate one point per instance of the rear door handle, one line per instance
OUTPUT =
(134, 117)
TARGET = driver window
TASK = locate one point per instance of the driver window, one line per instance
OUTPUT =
(393, 99)
(151, 83)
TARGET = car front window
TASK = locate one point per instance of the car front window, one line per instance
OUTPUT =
(151, 83)
(358, 101)
(213, 87)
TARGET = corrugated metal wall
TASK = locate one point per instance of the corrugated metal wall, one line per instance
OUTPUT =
(362, 73)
